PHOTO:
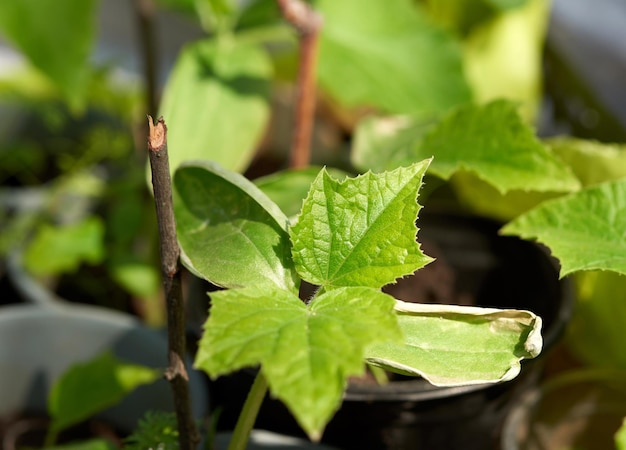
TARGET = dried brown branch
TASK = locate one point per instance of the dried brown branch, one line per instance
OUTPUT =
(176, 373)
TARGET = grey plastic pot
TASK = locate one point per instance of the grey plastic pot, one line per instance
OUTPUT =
(40, 340)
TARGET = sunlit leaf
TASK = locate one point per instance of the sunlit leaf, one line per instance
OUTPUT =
(215, 103)
(388, 55)
(306, 352)
(57, 37)
(585, 230)
(360, 232)
(230, 233)
(494, 143)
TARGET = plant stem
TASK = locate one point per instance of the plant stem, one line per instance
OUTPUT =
(248, 414)
(176, 372)
(307, 23)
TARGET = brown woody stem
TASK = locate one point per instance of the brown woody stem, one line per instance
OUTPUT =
(307, 23)
(176, 372)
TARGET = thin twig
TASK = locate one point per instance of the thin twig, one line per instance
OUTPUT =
(176, 373)
(307, 23)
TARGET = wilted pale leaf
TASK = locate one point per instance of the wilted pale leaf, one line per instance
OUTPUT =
(458, 345)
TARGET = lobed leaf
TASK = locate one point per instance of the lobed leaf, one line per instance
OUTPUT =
(494, 143)
(212, 82)
(229, 232)
(453, 345)
(360, 232)
(584, 230)
(306, 352)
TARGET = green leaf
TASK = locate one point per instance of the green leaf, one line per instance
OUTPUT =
(494, 70)
(91, 444)
(57, 37)
(596, 333)
(289, 188)
(585, 230)
(458, 345)
(388, 55)
(216, 15)
(156, 430)
(61, 249)
(88, 388)
(494, 143)
(216, 103)
(593, 162)
(620, 437)
(139, 278)
(384, 143)
(306, 352)
(229, 232)
(360, 232)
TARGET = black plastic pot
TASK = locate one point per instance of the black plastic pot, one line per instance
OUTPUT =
(495, 271)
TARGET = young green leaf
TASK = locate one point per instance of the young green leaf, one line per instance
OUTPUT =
(229, 232)
(453, 345)
(364, 41)
(585, 230)
(41, 30)
(289, 188)
(493, 142)
(360, 232)
(306, 352)
(91, 387)
(56, 250)
(211, 83)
